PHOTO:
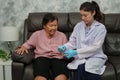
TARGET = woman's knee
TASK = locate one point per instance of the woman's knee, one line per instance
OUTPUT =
(40, 78)
(61, 77)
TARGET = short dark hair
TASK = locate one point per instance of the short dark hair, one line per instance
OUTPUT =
(49, 17)
(92, 6)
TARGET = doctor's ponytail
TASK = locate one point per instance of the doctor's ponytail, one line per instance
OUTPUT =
(98, 16)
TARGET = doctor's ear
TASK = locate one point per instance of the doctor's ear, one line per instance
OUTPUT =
(93, 13)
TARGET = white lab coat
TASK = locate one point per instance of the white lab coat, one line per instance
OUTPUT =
(89, 47)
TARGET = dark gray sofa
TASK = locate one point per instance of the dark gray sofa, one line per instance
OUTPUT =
(67, 21)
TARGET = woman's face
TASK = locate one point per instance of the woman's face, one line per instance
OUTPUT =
(51, 28)
(87, 17)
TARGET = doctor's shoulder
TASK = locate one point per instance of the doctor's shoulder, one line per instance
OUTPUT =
(101, 28)
(100, 25)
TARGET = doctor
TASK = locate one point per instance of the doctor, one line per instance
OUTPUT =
(85, 44)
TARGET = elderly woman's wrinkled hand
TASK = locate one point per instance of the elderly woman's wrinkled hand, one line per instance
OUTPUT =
(21, 50)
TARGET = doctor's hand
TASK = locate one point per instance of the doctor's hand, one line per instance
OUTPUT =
(62, 48)
(70, 53)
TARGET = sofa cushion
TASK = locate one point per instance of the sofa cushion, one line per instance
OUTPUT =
(34, 21)
(109, 73)
(112, 44)
(112, 23)
(116, 62)
(74, 18)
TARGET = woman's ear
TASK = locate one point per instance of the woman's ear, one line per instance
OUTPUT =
(93, 13)
(44, 26)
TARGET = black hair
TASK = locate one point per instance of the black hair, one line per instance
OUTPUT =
(93, 6)
(49, 17)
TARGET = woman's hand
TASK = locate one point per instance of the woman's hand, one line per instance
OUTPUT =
(59, 56)
(21, 50)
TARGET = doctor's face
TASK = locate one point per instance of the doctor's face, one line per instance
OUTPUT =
(87, 17)
(51, 27)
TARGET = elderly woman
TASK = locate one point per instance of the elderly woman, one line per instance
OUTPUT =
(47, 58)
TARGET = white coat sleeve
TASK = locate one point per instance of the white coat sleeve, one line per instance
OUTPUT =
(71, 44)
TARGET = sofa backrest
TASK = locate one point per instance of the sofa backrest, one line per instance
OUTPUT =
(67, 21)
(112, 41)
(33, 23)
(74, 18)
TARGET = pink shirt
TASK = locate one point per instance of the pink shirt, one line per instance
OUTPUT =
(43, 45)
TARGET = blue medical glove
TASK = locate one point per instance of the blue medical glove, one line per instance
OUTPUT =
(62, 48)
(70, 53)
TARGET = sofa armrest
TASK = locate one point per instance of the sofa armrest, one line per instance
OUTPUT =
(25, 58)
